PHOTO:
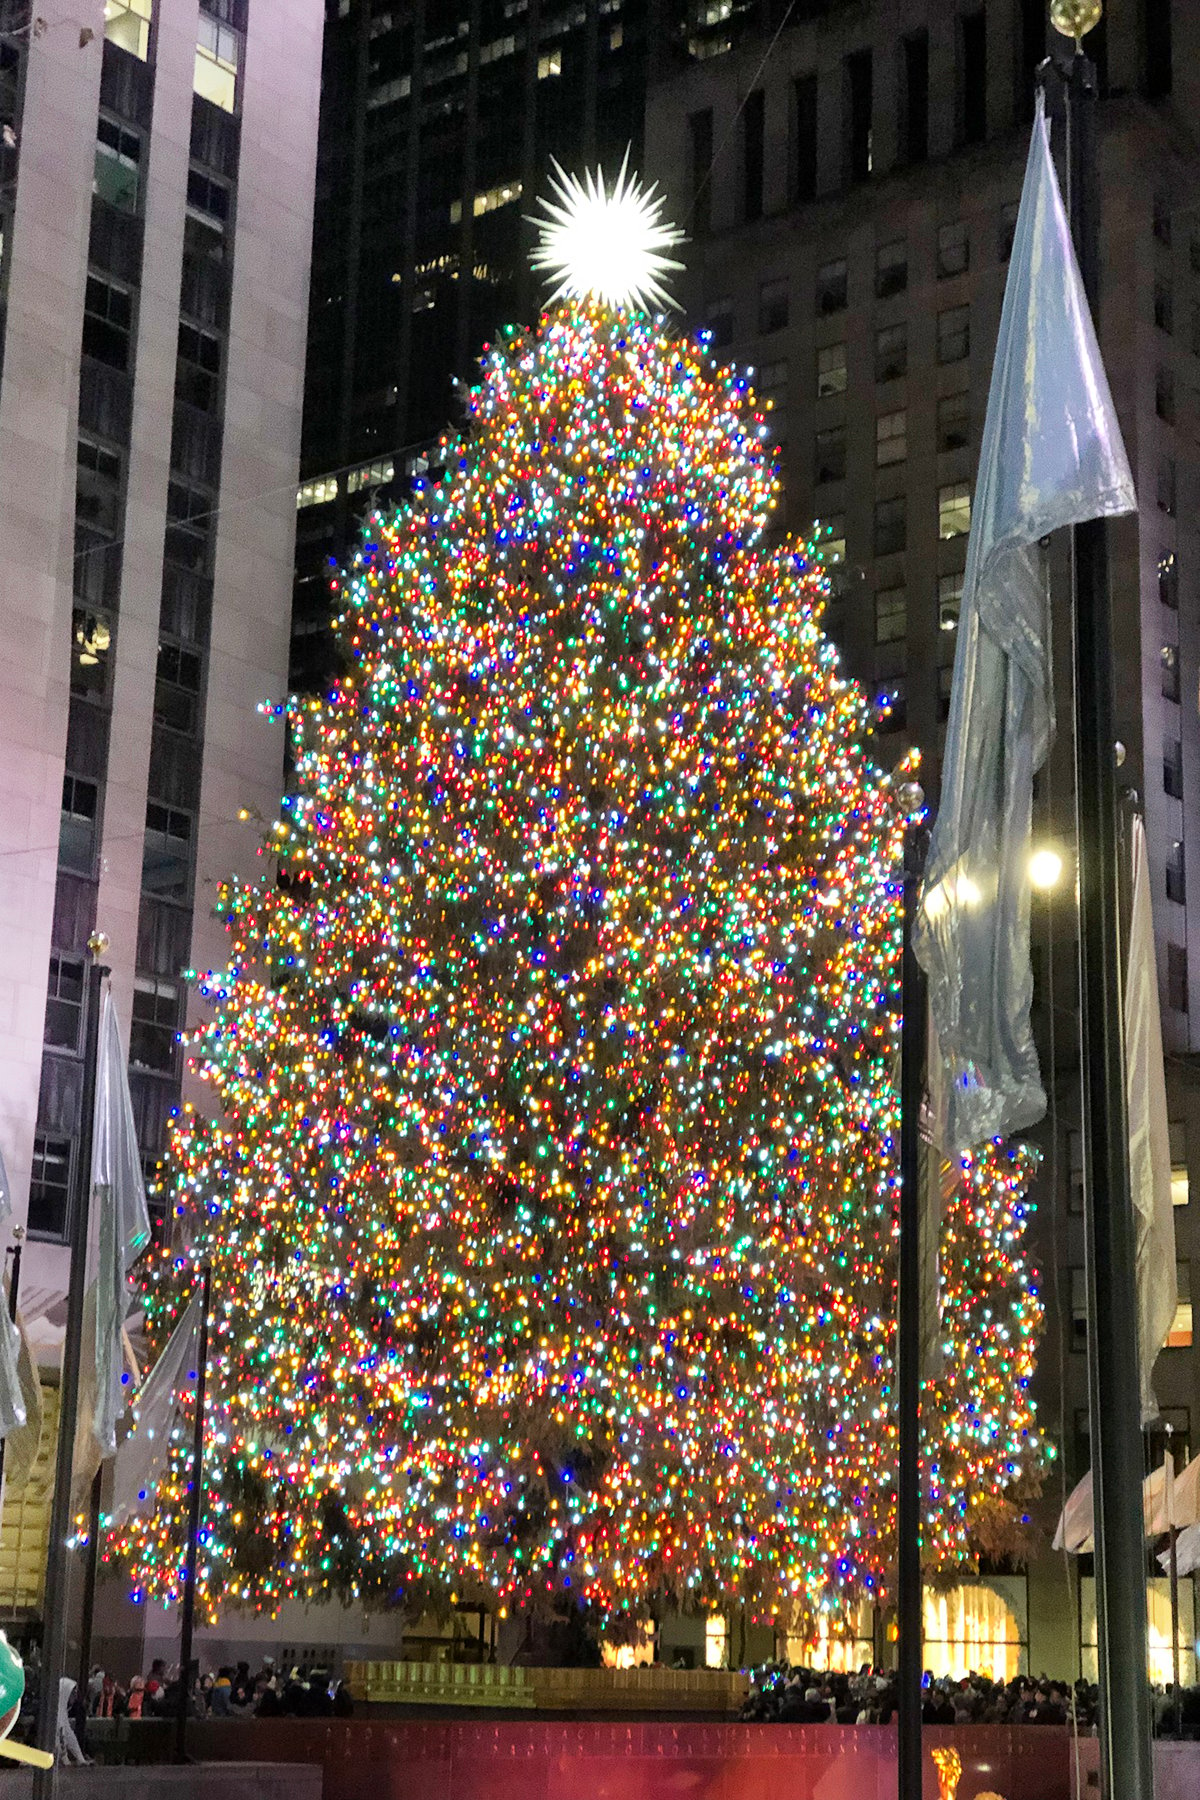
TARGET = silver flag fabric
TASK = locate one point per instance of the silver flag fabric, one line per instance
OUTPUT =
(142, 1457)
(1051, 455)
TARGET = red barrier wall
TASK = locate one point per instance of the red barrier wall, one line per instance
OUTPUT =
(369, 1759)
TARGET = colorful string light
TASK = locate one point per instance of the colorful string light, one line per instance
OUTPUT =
(550, 1187)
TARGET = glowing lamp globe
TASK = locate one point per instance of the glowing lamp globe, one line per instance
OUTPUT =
(1045, 868)
(606, 242)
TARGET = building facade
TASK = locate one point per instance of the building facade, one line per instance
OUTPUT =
(156, 207)
(851, 192)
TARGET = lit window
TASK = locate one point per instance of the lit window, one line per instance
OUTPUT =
(372, 475)
(389, 92)
(1180, 1335)
(950, 589)
(549, 64)
(891, 615)
(316, 493)
(118, 164)
(92, 639)
(127, 24)
(891, 438)
(218, 58)
(954, 509)
(1180, 1186)
(489, 201)
(716, 1642)
(831, 370)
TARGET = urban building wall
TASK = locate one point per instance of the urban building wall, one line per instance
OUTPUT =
(850, 192)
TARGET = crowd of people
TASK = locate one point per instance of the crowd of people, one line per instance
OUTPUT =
(789, 1694)
(228, 1692)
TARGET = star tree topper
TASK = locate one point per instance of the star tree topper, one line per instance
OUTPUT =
(607, 242)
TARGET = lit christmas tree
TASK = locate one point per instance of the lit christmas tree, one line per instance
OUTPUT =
(550, 1191)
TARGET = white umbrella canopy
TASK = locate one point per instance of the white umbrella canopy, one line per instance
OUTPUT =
(1076, 1525)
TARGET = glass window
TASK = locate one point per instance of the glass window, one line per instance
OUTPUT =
(716, 1642)
(954, 509)
(77, 828)
(1180, 1335)
(891, 269)
(980, 1626)
(127, 24)
(1165, 485)
(1173, 768)
(953, 250)
(771, 385)
(218, 59)
(50, 1188)
(720, 323)
(316, 493)
(1164, 311)
(177, 686)
(954, 421)
(1168, 580)
(64, 1002)
(549, 64)
(773, 305)
(91, 635)
(154, 1023)
(950, 589)
(1176, 876)
(831, 286)
(198, 371)
(208, 199)
(831, 533)
(891, 438)
(1079, 1309)
(891, 707)
(891, 352)
(107, 321)
(891, 526)
(167, 853)
(1162, 218)
(891, 615)
(831, 370)
(1164, 395)
(830, 460)
(118, 164)
(1170, 671)
(953, 333)
(1177, 978)
(1180, 1186)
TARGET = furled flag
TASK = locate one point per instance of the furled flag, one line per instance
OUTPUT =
(12, 1400)
(1149, 1132)
(142, 1457)
(1051, 455)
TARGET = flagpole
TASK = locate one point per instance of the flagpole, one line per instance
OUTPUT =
(89, 1582)
(908, 1329)
(14, 1288)
(54, 1609)
(1173, 1570)
(188, 1621)
(1114, 1397)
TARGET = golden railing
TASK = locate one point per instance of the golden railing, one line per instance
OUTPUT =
(616, 1691)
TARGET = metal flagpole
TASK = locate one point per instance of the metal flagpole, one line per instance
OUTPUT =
(89, 1582)
(188, 1621)
(1114, 1399)
(54, 1612)
(908, 1329)
(14, 1288)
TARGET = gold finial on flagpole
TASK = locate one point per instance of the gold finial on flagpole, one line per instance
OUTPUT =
(1075, 18)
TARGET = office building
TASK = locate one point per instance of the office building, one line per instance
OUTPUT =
(852, 199)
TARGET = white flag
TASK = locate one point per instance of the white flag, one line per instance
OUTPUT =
(1149, 1133)
(142, 1457)
(122, 1227)
(1051, 456)
(12, 1400)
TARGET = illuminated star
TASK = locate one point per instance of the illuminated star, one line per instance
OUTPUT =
(606, 242)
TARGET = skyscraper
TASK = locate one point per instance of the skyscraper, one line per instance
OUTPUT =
(158, 168)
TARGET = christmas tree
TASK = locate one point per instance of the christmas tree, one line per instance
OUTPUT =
(550, 1180)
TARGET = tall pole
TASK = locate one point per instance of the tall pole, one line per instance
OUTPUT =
(1114, 1399)
(87, 1623)
(188, 1622)
(908, 1333)
(54, 1645)
(14, 1289)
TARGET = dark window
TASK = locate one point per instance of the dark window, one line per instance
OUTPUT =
(945, 688)
(177, 687)
(1168, 580)
(118, 164)
(198, 373)
(773, 305)
(1156, 47)
(1007, 229)
(891, 615)
(891, 526)
(953, 333)
(1177, 978)
(209, 199)
(831, 370)
(1170, 671)
(1165, 484)
(972, 62)
(50, 1188)
(720, 323)
(891, 706)
(700, 145)
(1161, 218)
(97, 486)
(78, 826)
(1033, 49)
(1176, 874)
(1164, 311)
(914, 130)
(1173, 768)
(891, 269)
(64, 1002)
(804, 97)
(752, 155)
(950, 589)
(891, 352)
(1079, 1309)
(107, 322)
(167, 855)
(91, 642)
(831, 286)
(96, 569)
(1164, 395)
(829, 464)
(953, 250)
(954, 421)
(857, 86)
(154, 1023)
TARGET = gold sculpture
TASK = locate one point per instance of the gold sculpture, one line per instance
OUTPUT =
(1074, 19)
(949, 1767)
